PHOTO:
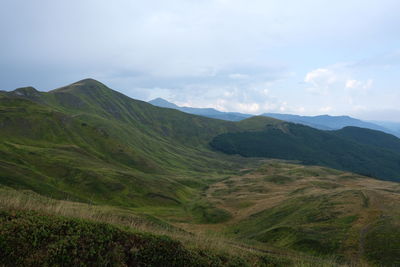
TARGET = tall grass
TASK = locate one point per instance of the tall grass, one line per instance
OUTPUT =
(25, 200)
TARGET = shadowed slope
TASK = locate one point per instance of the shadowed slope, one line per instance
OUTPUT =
(366, 155)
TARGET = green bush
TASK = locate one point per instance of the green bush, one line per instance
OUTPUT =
(32, 239)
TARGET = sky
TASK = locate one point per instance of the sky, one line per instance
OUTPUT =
(304, 57)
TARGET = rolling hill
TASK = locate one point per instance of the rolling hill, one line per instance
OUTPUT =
(313, 209)
(90, 143)
(363, 151)
(93, 133)
(97, 169)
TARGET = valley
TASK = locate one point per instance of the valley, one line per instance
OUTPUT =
(310, 209)
(257, 192)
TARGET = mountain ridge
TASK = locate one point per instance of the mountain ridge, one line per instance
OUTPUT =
(207, 112)
(327, 122)
(342, 149)
(118, 139)
(321, 122)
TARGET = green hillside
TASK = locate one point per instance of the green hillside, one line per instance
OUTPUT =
(34, 239)
(312, 209)
(84, 161)
(362, 153)
(370, 137)
(87, 142)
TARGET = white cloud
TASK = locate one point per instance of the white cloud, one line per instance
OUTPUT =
(248, 107)
(300, 110)
(356, 84)
(353, 84)
(320, 75)
(359, 108)
(326, 109)
(335, 78)
(320, 80)
(238, 76)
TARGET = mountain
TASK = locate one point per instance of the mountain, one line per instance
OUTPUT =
(321, 122)
(206, 112)
(370, 137)
(326, 122)
(159, 102)
(89, 171)
(89, 143)
(358, 150)
(391, 126)
(85, 125)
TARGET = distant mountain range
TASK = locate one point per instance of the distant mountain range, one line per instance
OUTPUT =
(391, 126)
(326, 122)
(321, 122)
(206, 112)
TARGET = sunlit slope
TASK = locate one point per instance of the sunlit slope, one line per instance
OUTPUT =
(64, 157)
(313, 209)
(89, 230)
(89, 143)
(92, 97)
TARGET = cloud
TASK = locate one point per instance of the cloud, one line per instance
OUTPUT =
(326, 109)
(238, 76)
(320, 80)
(355, 84)
(335, 78)
(248, 107)
(219, 53)
(352, 84)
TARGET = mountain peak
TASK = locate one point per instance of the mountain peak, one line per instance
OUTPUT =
(88, 81)
(28, 91)
(87, 84)
(160, 102)
(158, 99)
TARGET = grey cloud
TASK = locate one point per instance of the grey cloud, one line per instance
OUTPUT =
(179, 48)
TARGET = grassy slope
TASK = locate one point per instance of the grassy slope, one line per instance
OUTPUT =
(57, 155)
(87, 142)
(32, 239)
(312, 209)
(283, 207)
(56, 230)
(340, 150)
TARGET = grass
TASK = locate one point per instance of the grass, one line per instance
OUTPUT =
(32, 239)
(30, 201)
(205, 212)
(381, 242)
(84, 160)
(310, 209)
(305, 224)
(278, 179)
(88, 143)
(56, 230)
